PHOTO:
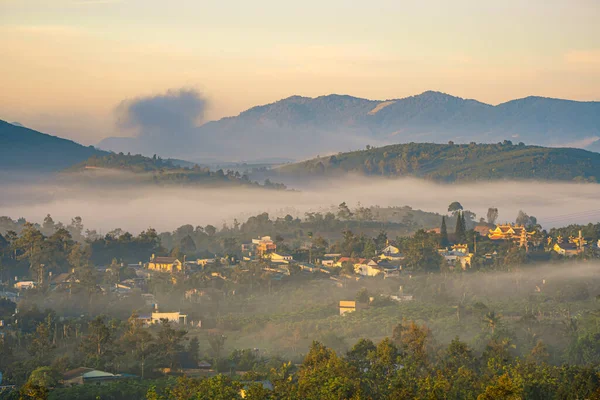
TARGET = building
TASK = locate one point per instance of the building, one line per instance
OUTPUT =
(165, 264)
(515, 233)
(482, 229)
(347, 306)
(329, 260)
(279, 258)
(457, 253)
(175, 317)
(369, 268)
(567, 249)
(203, 262)
(573, 247)
(264, 246)
(391, 253)
(354, 261)
(25, 285)
(83, 375)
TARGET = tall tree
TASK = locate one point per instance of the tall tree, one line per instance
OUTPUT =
(169, 343)
(443, 233)
(492, 215)
(455, 207)
(460, 231)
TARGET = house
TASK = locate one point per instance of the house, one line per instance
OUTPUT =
(482, 229)
(347, 306)
(309, 267)
(391, 253)
(203, 262)
(370, 268)
(342, 260)
(567, 249)
(458, 252)
(573, 247)
(22, 285)
(165, 264)
(175, 317)
(329, 260)
(64, 279)
(264, 246)
(279, 258)
(83, 375)
(389, 270)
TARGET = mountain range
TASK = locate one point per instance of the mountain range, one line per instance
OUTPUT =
(300, 127)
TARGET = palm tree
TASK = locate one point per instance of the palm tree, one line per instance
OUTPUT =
(492, 320)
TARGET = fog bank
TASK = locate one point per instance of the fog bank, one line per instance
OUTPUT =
(136, 207)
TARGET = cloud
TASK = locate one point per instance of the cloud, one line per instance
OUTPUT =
(172, 114)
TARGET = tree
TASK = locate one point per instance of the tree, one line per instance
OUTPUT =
(96, 344)
(216, 343)
(444, 234)
(503, 388)
(48, 225)
(454, 207)
(169, 343)
(210, 230)
(491, 320)
(492, 215)
(41, 344)
(44, 377)
(324, 375)
(460, 230)
(194, 349)
(526, 220)
(138, 341)
(413, 338)
(363, 296)
(344, 212)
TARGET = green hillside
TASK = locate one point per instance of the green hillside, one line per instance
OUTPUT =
(457, 162)
(158, 171)
(23, 149)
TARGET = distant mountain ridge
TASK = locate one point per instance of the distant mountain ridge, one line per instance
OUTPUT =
(455, 163)
(24, 149)
(300, 127)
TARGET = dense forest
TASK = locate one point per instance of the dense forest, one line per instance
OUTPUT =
(457, 162)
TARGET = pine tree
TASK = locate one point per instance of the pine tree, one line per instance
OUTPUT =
(460, 230)
(443, 234)
(463, 227)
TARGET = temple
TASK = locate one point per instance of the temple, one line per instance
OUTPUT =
(515, 233)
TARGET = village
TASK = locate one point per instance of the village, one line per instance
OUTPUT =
(198, 296)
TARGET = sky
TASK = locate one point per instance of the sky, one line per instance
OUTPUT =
(67, 65)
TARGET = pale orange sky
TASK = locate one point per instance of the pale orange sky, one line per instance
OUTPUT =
(66, 64)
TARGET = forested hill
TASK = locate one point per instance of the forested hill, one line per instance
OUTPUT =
(23, 149)
(457, 162)
(159, 171)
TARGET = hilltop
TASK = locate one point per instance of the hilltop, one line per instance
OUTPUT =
(24, 149)
(298, 127)
(155, 170)
(457, 162)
